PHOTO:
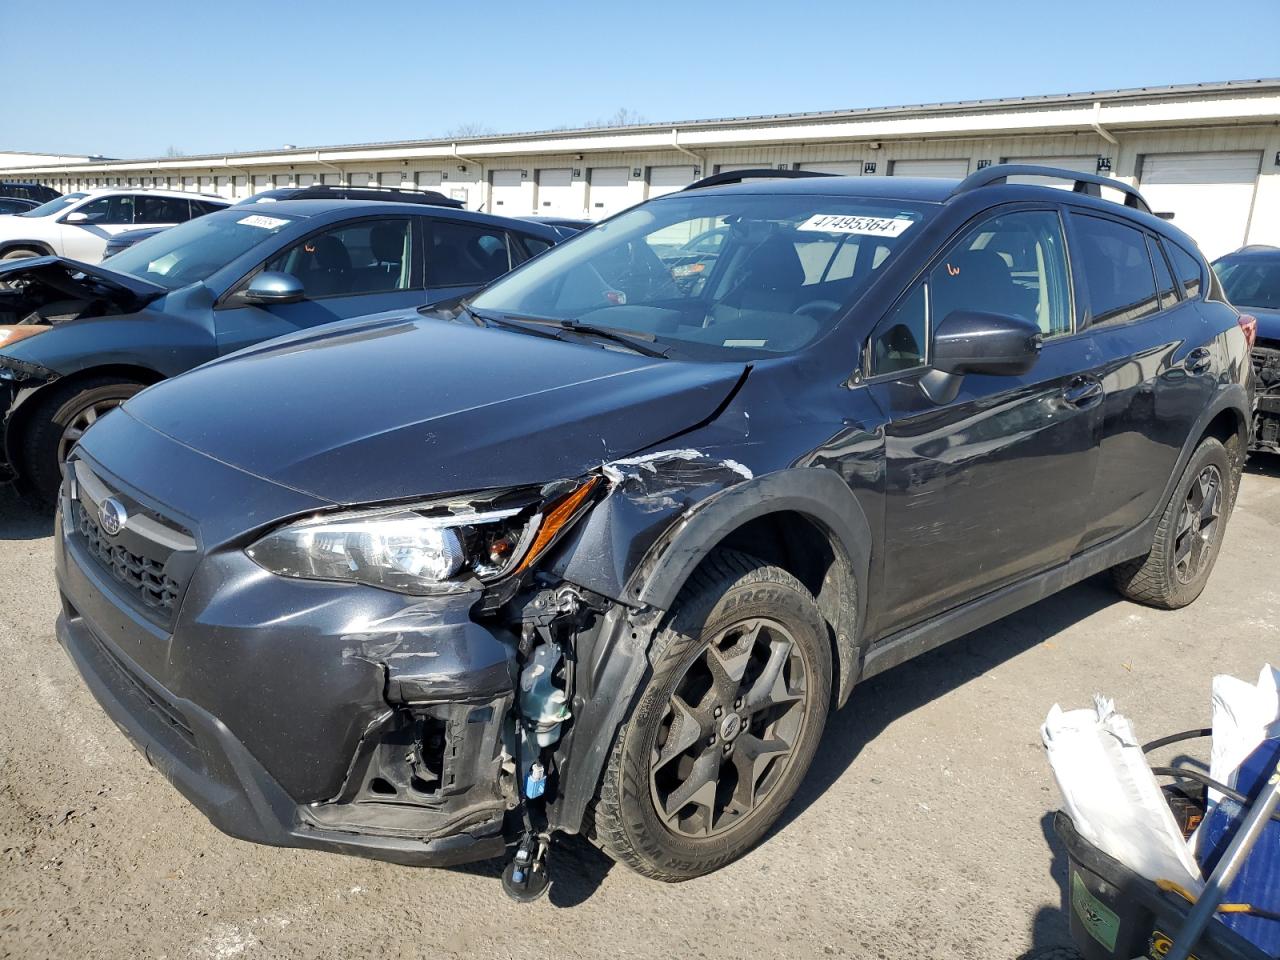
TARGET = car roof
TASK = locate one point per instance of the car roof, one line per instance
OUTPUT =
(921, 189)
(361, 208)
(109, 191)
(1254, 251)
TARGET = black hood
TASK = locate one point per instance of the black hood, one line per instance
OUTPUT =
(388, 408)
(62, 278)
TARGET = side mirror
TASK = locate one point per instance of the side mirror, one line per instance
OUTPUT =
(986, 343)
(272, 286)
(77, 216)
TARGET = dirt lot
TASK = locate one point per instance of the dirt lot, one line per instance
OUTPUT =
(922, 830)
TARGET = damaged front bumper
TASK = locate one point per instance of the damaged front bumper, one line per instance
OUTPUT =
(1266, 416)
(291, 713)
(19, 379)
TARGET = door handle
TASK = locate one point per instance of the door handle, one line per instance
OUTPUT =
(1083, 392)
(1198, 360)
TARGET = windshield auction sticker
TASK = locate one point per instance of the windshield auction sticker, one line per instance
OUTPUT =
(266, 223)
(866, 226)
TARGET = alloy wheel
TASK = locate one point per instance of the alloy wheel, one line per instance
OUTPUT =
(729, 729)
(1198, 524)
(82, 421)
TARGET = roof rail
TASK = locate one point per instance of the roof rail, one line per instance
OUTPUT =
(1087, 183)
(764, 173)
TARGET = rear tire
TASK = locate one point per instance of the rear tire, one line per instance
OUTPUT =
(725, 727)
(56, 425)
(1190, 532)
(21, 253)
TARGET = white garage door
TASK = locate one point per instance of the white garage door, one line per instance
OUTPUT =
(842, 168)
(1209, 194)
(944, 169)
(663, 180)
(609, 192)
(261, 182)
(555, 194)
(428, 178)
(508, 194)
(360, 180)
(1074, 164)
(390, 179)
(306, 179)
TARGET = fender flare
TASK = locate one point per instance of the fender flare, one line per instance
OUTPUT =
(1232, 396)
(623, 645)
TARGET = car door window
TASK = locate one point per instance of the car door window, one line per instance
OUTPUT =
(1166, 286)
(466, 253)
(1013, 265)
(158, 210)
(107, 211)
(369, 256)
(535, 246)
(1117, 270)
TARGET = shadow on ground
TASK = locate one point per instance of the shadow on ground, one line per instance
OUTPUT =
(19, 520)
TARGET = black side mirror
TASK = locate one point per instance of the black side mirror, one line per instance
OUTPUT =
(986, 343)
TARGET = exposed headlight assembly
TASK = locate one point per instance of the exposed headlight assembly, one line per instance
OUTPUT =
(418, 549)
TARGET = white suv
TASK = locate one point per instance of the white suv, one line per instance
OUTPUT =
(79, 225)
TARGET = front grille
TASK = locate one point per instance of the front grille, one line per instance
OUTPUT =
(165, 711)
(1266, 362)
(144, 577)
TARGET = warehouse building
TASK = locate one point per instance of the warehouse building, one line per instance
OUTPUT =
(1207, 153)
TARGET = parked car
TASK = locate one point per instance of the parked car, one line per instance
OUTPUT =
(81, 339)
(79, 225)
(28, 191)
(123, 241)
(1251, 279)
(10, 205)
(333, 192)
(591, 552)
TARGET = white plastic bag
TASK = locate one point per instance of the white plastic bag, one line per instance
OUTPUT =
(1243, 716)
(1112, 796)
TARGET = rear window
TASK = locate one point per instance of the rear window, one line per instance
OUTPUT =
(1188, 268)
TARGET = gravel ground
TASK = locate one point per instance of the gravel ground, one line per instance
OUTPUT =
(922, 831)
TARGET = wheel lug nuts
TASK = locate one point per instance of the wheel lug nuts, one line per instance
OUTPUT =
(737, 703)
(711, 741)
(728, 748)
(717, 712)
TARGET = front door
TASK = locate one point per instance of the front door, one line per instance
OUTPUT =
(990, 487)
(356, 268)
(103, 218)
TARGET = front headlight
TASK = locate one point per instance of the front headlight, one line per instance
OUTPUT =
(417, 549)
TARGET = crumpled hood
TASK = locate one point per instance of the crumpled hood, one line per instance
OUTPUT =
(404, 406)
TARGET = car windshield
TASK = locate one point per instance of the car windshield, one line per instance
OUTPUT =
(53, 206)
(1251, 282)
(194, 250)
(713, 274)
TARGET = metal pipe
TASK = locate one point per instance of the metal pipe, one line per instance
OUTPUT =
(484, 185)
(675, 142)
(1097, 124)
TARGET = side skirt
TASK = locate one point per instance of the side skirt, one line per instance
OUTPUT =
(905, 644)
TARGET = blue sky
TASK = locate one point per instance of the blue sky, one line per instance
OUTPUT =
(135, 79)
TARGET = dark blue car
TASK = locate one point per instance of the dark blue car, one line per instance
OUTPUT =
(77, 340)
(1251, 280)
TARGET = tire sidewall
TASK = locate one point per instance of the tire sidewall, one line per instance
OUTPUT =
(43, 471)
(691, 630)
(1211, 452)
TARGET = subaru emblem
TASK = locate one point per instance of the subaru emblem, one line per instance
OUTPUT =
(113, 515)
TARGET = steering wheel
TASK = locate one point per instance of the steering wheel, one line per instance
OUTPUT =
(818, 309)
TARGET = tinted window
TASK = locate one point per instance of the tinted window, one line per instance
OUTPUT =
(108, 210)
(465, 253)
(151, 209)
(371, 256)
(898, 343)
(13, 206)
(1187, 268)
(534, 245)
(1166, 286)
(1251, 282)
(1117, 270)
(200, 207)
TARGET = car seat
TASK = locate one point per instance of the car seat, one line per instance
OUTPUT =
(326, 267)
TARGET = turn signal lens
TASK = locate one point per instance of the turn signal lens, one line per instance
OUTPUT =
(12, 334)
(557, 518)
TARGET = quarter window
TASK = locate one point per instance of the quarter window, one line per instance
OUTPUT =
(161, 209)
(1188, 269)
(1117, 270)
(898, 343)
(370, 256)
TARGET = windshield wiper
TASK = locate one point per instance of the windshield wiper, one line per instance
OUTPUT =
(632, 340)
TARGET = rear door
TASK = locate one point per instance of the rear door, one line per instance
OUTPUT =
(1155, 365)
(992, 486)
(349, 269)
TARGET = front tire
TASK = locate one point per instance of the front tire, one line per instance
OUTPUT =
(21, 253)
(724, 729)
(1189, 534)
(58, 423)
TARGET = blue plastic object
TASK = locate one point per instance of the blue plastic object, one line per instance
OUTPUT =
(536, 782)
(1258, 882)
